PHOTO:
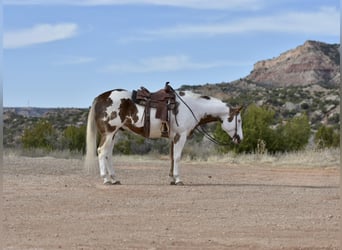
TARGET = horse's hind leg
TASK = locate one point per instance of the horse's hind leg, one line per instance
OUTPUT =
(105, 160)
(110, 167)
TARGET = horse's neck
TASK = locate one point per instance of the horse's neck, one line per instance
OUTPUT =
(205, 108)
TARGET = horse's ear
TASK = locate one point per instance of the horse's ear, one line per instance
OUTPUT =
(234, 111)
(238, 110)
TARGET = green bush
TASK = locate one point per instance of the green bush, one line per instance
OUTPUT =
(256, 123)
(294, 135)
(130, 143)
(42, 135)
(75, 138)
(258, 129)
(326, 137)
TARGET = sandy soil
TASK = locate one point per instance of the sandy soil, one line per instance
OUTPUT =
(52, 204)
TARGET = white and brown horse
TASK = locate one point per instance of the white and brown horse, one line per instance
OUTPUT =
(115, 110)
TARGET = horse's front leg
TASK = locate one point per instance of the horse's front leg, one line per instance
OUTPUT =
(176, 149)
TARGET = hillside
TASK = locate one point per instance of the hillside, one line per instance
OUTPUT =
(305, 79)
(16, 120)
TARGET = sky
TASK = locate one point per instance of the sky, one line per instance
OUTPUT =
(63, 53)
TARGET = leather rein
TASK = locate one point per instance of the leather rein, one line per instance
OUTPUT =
(203, 131)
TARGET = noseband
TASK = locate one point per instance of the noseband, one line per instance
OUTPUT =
(236, 136)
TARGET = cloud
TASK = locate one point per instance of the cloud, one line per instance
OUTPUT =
(41, 33)
(166, 64)
(197, 4)
(324, 21)
(74, 60)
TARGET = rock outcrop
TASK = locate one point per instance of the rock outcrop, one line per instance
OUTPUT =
(311, 63)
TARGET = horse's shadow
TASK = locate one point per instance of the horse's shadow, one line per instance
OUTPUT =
(260, 185)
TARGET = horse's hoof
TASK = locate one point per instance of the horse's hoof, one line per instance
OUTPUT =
(107, 183)
(112, 182)
(180, 183)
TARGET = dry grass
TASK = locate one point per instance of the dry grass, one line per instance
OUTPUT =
(308, 158)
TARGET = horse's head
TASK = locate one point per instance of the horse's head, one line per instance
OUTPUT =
(232, 124)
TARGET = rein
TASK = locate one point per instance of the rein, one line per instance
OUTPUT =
(201, 129)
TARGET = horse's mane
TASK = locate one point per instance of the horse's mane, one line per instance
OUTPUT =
(197, 96)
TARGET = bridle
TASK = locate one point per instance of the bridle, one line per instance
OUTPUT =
(236, 136)
(203, 131)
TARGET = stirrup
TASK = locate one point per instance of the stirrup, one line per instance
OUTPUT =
(164, 129)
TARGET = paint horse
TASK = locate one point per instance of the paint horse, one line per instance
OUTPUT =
(116, 110)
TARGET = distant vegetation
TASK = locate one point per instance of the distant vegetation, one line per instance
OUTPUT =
(284, 111)
(265, 131)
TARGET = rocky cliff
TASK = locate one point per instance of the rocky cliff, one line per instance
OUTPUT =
(311, 63)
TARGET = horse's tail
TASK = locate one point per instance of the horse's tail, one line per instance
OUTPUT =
(90, 158)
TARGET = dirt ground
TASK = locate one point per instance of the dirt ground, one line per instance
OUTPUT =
(51, 203)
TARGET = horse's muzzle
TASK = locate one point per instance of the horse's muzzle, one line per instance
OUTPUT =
(236, 139)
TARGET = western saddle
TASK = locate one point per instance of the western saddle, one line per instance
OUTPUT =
(164, 101)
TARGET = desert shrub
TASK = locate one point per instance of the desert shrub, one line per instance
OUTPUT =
(258, 127)
(129, 143)
(161, 145)
(257, 123)
(294, 135)
(326, 137)
(74, 138)
(42, 135)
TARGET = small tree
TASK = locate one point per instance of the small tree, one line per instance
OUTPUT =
(42, 135)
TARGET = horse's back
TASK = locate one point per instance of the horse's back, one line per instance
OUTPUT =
(107, 107)
(113, 95)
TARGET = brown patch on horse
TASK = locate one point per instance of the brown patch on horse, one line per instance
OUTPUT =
(128, 115)
(204, 120)
(102, 120)
(106, 127)
(208, 118)
(113, 115)
(102, 102)
(176, 138)
(137, 130)
(205, 97)
(128, 109)
(233, 112)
